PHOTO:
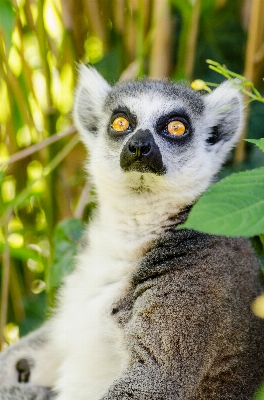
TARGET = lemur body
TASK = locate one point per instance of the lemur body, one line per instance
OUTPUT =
(151, 311)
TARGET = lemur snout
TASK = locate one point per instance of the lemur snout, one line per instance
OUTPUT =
(141, 153)
(139, 148)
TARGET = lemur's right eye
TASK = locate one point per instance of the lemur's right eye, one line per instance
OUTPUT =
(120, 124)
(176, 128)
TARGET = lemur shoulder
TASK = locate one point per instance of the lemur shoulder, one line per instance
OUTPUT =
(151, 311)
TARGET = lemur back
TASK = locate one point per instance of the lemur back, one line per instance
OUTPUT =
(151, 311)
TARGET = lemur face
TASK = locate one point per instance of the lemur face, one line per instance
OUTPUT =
(151, 125)
(156, 134)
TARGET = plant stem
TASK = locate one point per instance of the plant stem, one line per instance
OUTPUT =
(160, 59)
(192, 39)
(250, 72)
(38, 146)
(5, 282)
(21, 197)
(78, 213)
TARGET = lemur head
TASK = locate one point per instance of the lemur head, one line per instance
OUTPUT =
(155, 136)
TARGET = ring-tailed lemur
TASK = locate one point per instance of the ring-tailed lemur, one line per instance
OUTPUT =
(151, 311)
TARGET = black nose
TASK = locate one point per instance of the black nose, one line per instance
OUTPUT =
(23, 369)
(142, 154)
(139, 148)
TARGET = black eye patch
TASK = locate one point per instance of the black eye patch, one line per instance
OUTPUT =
(126, 117)
(164, 122)
(124, 111)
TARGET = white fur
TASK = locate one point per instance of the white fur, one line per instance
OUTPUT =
(86, 340)
(91, 82)
(225, 98)
(90, 342)
(39, 355)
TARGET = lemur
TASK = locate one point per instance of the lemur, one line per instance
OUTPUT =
(151, 311)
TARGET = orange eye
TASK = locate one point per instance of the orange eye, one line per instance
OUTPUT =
(120, 124)
(176, 128)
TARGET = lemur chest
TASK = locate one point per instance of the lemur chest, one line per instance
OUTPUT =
(102, 277)
(91, 337)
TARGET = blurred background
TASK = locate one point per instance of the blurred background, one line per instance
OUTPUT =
(44, 197)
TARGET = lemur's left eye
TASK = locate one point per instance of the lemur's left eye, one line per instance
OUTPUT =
(120, 124)
(176, 128)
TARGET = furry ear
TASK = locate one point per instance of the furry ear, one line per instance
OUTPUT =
(224, 117)
(89, 96)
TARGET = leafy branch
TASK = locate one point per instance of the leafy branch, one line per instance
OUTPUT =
(246, 86)
(235, 205)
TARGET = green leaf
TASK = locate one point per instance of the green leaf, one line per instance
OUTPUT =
(22, 253)
(7, 21)
(35, 308)
(109, 66)
(231, 207)
(89, 210)
(207, 6)
(257, 142)
(185, 7)
(67, 236)
(260, 393)
(2, 176)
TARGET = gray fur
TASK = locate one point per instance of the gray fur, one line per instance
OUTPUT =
(33, 348)
(188, 324)
(165, 88)
(184, 310)
(26, 392)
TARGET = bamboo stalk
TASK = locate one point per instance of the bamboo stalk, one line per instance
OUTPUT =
(192, 39)
(78, 213)
(16, 294)
(147, 8)
(95, 20)
(134, 5)
(160, 56)
(259, 56)
(5, 283)
(66, 15)
(256, 24)
(60, 156)
(79, 25)
(220, 3)
(119, 15)
(13, 84)
(41, 36)
(52, 165)
(28, 15)
(10, 128)
(253, 38)
(38, 146)
(25, 67)
(245, 14)
(131, 72)
(140, 36)
(68, 49)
